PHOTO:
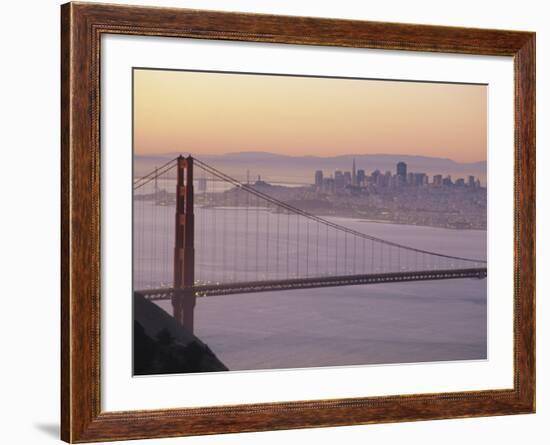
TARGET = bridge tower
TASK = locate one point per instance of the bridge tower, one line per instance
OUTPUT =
(184, 298)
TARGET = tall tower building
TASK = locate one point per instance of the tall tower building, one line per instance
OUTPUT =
(353, 174)
(402, 170)
(347, 178)
(339, 181)
(319, 178)
(361, 177)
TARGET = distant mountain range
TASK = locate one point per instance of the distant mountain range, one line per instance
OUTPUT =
(295, 167)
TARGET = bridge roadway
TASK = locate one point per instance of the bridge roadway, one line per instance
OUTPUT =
(316, 282)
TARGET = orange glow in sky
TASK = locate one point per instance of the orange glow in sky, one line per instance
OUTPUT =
(216, 113)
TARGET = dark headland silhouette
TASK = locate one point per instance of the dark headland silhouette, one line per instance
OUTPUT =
(163, 346)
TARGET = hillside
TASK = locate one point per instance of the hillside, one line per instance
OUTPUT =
(163, 346)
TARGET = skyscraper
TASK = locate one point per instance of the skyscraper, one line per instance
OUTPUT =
(339, 182)
(420, 179)
(402, 170)
(374, 175)
(347, 178)
(328, 185)
(360, 177)
(353, 174)
(318, 179)
(387, 179)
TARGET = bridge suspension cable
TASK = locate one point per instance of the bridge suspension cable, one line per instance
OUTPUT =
(155, 174)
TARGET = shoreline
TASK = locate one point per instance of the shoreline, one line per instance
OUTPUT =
(355, 218)
(381, 221)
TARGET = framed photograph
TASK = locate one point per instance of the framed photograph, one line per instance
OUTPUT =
(275, 222)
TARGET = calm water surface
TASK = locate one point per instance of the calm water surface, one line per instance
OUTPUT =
(372, 324)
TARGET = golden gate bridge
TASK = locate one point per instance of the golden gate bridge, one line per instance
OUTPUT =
(230, 237)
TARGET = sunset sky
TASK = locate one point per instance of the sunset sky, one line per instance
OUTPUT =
(216, 113)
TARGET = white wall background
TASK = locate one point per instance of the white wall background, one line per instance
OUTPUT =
(29, 226)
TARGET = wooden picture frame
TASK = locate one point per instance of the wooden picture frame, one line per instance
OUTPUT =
(82, 25)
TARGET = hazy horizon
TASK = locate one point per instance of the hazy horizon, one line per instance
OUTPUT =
(340, 155)
(279, 167)
(209, 113)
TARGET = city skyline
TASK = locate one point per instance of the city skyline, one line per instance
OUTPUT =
(358, 178)
(406, 197)
(215, 113)
(298, 168)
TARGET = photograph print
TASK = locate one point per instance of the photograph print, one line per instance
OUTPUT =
(285, 221)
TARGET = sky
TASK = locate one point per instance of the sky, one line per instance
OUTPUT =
(217, 113)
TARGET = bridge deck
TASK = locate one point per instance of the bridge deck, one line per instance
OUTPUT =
(316, 282)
